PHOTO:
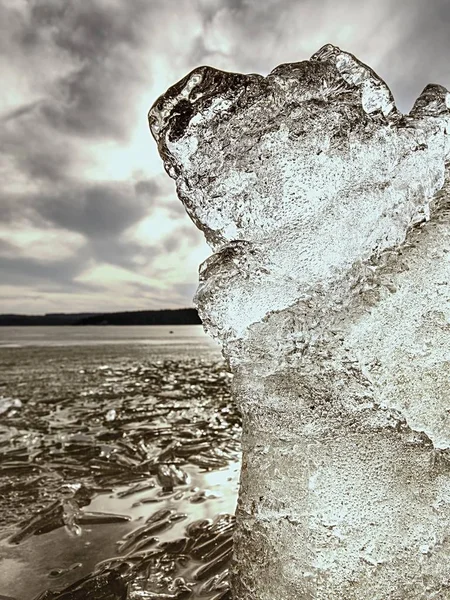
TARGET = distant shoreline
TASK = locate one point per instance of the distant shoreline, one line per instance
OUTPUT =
(181, 316)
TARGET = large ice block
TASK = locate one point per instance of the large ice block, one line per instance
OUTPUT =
(327, 211)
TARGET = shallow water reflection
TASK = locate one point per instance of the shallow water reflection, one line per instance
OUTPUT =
(119, 474)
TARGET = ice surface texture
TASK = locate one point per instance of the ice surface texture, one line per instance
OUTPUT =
(295, 177)
(328, 214)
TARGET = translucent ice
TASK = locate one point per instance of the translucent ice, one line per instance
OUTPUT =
(327, 211)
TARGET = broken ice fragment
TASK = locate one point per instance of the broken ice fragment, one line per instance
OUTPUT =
(7, 404)
(111, 414)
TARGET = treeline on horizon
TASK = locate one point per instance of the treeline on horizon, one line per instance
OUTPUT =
(180, 316)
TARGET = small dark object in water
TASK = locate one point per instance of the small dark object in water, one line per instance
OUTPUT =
(54, 573)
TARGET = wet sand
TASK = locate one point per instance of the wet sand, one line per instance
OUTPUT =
(119, 470)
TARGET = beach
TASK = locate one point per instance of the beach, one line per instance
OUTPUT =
(119, 462)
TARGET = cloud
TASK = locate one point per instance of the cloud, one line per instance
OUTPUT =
(27, 271)
(96, 47)
(96, 211)
(43, 245)
(19, 111)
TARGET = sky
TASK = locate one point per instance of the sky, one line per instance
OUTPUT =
(89, 220)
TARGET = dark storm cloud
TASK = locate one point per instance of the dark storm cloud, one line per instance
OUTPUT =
(119, 253)
(147, 187)
(35, 150)
(101, 213)
(8, 210)
(28, 271)
(161, 192)
(102, 42)
(95, 211)
(174, 241)
(19, 112)
(100, 47)
(6, 248)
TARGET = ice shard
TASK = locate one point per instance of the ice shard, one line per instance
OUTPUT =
(328, 214)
